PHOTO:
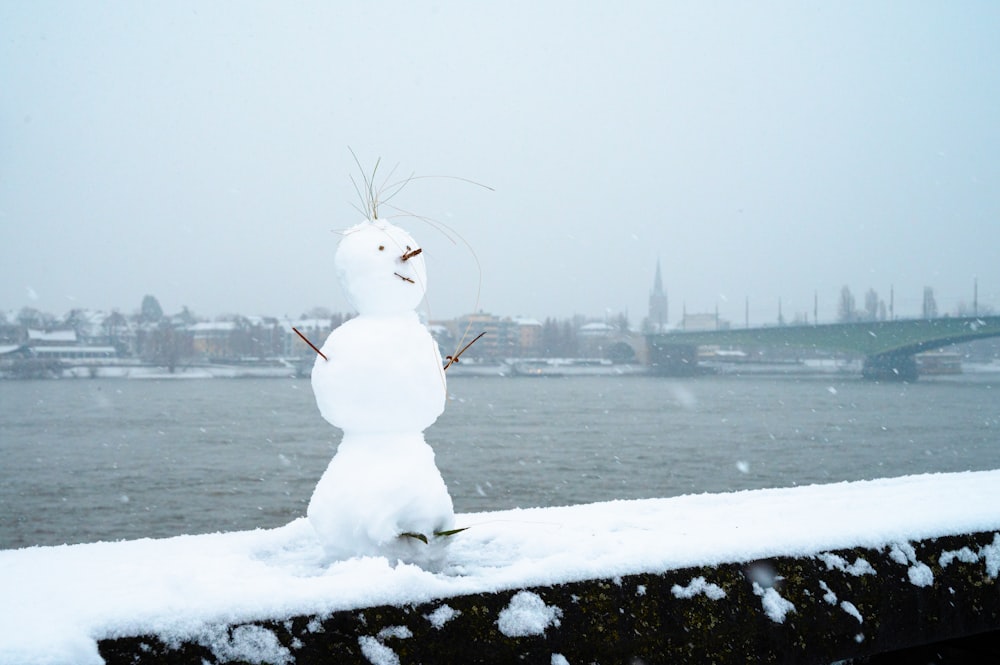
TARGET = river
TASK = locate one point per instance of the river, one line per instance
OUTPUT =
(108, 459)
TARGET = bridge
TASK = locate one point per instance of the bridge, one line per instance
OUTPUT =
(888, 347)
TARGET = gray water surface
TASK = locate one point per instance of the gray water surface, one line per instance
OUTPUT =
(86, 460)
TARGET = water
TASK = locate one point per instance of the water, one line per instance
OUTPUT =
(86, 460)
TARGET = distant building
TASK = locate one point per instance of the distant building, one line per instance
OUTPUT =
(64, 345)
(466, 327)
(211, 339)
(703, 322)
(529, 333)
(505, 337)
(594, 338)
(658, 312)
(51, 337)
(597, 329)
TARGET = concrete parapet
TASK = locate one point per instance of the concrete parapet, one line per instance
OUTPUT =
(845, 604)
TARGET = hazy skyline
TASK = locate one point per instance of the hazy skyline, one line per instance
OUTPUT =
(199, 152)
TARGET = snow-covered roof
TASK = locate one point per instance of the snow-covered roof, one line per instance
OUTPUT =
(51, 335)
(57, 601)
(596, 328)
(212, 326)
(262, 320)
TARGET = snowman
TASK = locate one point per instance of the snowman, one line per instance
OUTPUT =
(380, 380)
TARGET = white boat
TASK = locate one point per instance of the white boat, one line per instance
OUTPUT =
(473, 368)
(571, 367)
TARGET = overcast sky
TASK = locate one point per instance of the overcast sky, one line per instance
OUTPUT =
(199, 152)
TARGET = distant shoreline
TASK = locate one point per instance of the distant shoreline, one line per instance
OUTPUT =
(289, 370)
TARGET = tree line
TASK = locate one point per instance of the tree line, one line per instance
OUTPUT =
(169, 340)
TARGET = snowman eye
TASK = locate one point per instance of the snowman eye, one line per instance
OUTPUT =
(381, 248)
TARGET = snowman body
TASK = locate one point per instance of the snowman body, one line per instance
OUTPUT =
(382, 383)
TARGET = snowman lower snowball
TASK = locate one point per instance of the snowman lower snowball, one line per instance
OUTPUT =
(383, 384)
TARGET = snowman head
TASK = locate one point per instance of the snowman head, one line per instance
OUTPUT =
(381, 269)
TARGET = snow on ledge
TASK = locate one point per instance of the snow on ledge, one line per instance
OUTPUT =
(58, 601)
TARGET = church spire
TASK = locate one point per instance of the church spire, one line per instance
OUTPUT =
(658, 301)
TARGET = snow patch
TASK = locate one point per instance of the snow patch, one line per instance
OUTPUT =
(992, 555)
(559, 659)
(398, 632)
(851, 609)
(250, 644)
(965, 555)
(919, 573)
(376, 652)
(696, 586)
(527, 614)
(442, 615)
(902, 553)
(775, 607)
(829, 596)
(836, 562)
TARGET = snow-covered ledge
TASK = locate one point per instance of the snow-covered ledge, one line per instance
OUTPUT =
(809, 574)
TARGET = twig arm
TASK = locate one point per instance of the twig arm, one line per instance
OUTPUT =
(311, 345)
(454, 359)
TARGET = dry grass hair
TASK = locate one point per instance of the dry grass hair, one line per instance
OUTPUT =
(374, 195)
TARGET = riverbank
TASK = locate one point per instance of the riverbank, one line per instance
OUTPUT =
(532, 369)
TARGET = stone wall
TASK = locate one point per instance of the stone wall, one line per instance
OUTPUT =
(846, 604)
